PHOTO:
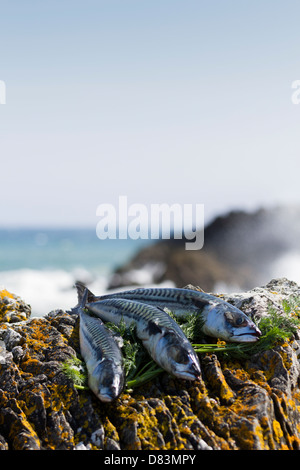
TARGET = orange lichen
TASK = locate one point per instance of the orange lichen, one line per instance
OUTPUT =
(277, 431)
(235, 405)
(4, 293)
(12, 308)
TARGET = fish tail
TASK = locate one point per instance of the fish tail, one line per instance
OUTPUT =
(83, 291)
(82, 294)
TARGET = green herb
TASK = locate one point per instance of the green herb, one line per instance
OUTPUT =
(285, 324)
(147, 373)
(292, 306)
(275, 327)
(132, 349)
(191, 325)
(75, 370)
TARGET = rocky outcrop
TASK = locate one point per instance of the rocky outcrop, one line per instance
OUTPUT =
(251, 403)
(13, 308)
(240, 250)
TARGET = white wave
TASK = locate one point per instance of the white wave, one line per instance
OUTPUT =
(142, 276)
(47, 290)
(287, 266)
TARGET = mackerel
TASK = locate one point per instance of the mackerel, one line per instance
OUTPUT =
(218, 318)
(159, 333)
(102, 356)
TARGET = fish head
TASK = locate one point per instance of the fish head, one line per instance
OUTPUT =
(177, 357)
(107, 380)
(230, 324)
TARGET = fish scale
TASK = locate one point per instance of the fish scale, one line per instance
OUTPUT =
(180, 299)
(135, 311)
(102, 355)
(159, 333)
(217, 318)
(158, 296)
(99, 336)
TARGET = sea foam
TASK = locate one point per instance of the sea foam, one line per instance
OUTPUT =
(47, 290)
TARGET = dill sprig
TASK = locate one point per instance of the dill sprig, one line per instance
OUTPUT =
(276, 327)
(75, 369)
(134, 355)
(191, 325)
(147, 373)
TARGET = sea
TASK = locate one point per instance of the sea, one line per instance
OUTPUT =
(42, 265)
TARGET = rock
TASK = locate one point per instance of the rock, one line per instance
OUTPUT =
(248, 404)
(13, 308)
(240, 250)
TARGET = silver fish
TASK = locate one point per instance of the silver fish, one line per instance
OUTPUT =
(102, 356)
(219, 318)
(159, 333)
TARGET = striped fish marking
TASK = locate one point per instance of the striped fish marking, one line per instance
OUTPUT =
(159, 333)
(182, 301)
(102, 356)
(218, 318)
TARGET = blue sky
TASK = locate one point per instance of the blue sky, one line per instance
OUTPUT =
(162, 101)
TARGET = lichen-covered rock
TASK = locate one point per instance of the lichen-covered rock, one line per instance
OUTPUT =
(238, 404)
(13, 308)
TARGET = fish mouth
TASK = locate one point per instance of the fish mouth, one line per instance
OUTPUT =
(108, 395)
(247, 336)
(193, 372)
(106, 398)
(189, 376)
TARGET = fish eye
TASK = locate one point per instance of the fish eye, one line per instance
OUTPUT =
(107, 380)
(235, 320)
(178, 355)
(240, 321)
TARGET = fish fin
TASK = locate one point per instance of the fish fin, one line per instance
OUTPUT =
(153, 328)
(81, 290)
(82, 300)
(200, 303)
(191, 287)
